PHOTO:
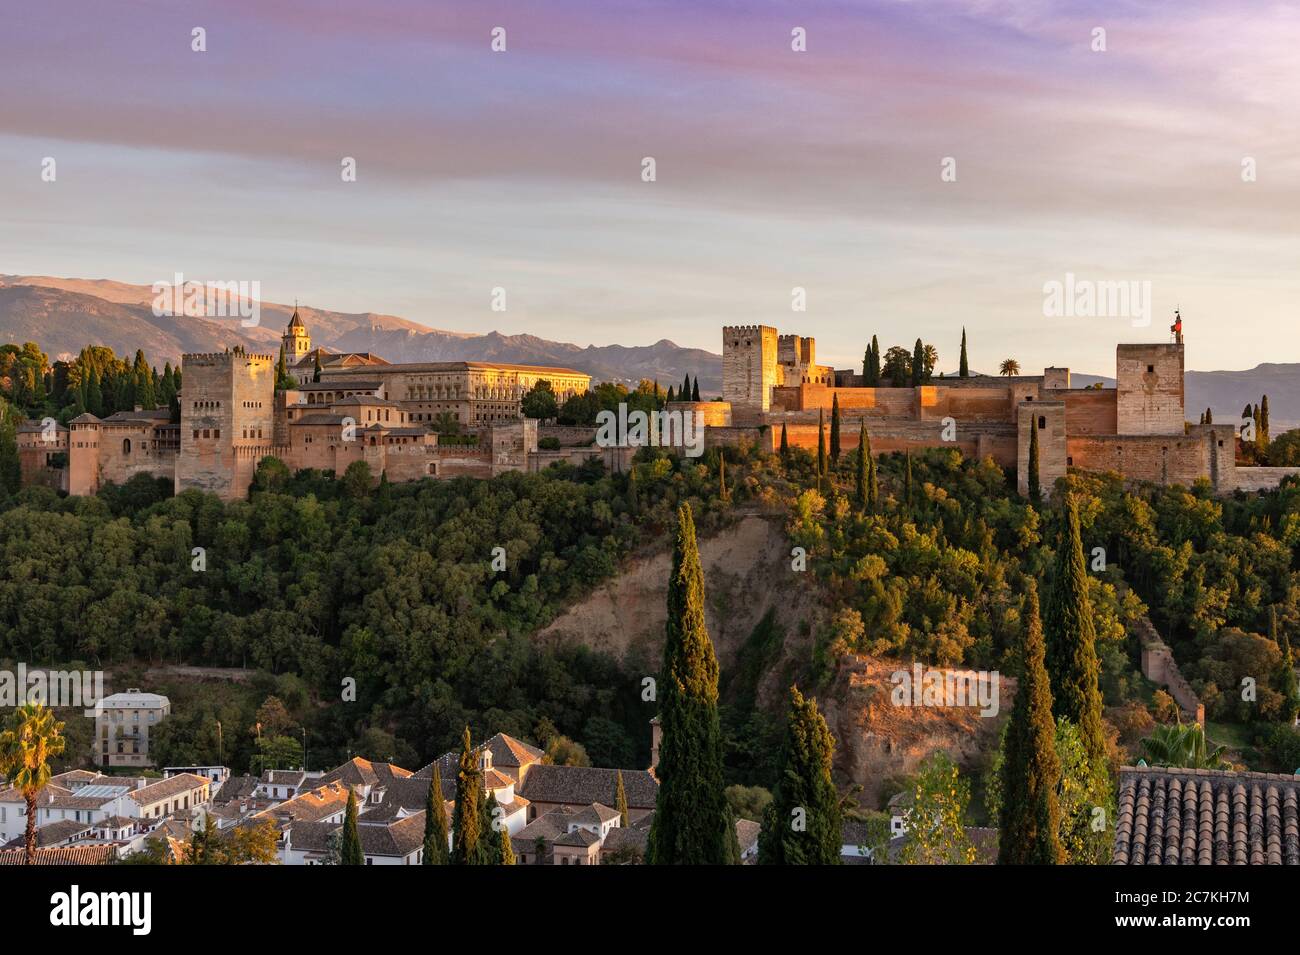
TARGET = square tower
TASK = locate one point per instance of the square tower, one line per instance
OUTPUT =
(1048, 419)
(1149, 388)
(749, 365)
(227, 421)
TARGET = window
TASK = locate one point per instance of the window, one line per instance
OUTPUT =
(126, 445)
(1151, 369)
(1042, 422)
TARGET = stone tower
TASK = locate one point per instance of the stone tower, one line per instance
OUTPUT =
(1149, 388)
(297, 343)
(227, 420)
(749, 366)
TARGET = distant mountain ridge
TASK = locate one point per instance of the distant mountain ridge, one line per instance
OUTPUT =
(65, 315)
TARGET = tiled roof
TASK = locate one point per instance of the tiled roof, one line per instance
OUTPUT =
(548, 827)
(311, 806)
(398, 838)
(52, 833)
(579, 837)
(236, 787)
(507, 752)
(619, 839)
(169, 787)
(595, 815)
(582, 786)
(1206, 817)
(338, 386)
(362, 772)
(62, 855)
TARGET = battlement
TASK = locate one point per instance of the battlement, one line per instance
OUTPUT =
(224, 358)
(746, 329)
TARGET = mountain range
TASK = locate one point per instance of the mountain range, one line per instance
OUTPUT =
(63, 315)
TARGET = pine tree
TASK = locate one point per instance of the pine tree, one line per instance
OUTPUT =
(802, 825)
(436, 851)
(918, 364)
(695, 390)
(691, 817)
(1031, 770)
(821, 449)
(350, 853)
(963, 368)
(467, 816)
(1071, 642)
(785, 443)
(1035, 492)
(835, 428)
(620, 801)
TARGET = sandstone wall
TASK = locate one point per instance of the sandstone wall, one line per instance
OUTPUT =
(1163, 459)
(749, 365)
(1048, 417)
(1149, 384)
(1090, 410)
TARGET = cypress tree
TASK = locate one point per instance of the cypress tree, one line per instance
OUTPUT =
(873, 374)
(315, 374)
(350, 852)
(691, 817)
(633, 495)
(963, 369)
(1071, 642)
(723, 494)
(281, 369)
(1035, 492)
(918, 364)
(907, 479)
(1262, 431)
(866, 363)
(685, 393)
(496, 840)
(802, 825)
(435, 823)
(467, 816)
(1290, 691)
(1031, 771)
(873, 480)
(695, 390)
(670, 397)
(94, 395)
(821, 448)
(1209, 416)
(835, 428)
(785, 443)
(864, 454)
(620, 802)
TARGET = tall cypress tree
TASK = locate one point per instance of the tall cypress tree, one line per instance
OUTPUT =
(1263, 435)
(918, 364)
(835, 428)
(467, 816)
(907, 478)
(821, 449)
(1031, 771)
(695, 389)
(350, 852)
(1035, 492)
(864, 455)
(963, 369)
(802, 825)
(785, 443)
(1071, 642)
(691, 818)
(315, 374)
(620, 801)
(873, 373)
(723, 494)
(436, 850)
(281, 370)
(671, 395)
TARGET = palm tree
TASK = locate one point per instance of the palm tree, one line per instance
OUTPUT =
(445, 422)
(1182, 747)
(26, 746)
(1009, 367)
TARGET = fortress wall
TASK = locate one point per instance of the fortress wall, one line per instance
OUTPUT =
(117, 465)
(1163, 459)
(895, 436)
(967, 404)
(34, 454)
(1261, 479)
(1090, 410)
(884, 402)
(568, 436)
(1048, 417)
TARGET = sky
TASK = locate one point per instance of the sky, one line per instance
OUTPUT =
(918, 168)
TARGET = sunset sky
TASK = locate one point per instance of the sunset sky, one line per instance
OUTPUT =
(775, 169)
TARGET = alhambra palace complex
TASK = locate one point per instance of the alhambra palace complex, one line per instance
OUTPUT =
(366, 409)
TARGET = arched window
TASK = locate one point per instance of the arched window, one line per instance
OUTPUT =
(126, 445)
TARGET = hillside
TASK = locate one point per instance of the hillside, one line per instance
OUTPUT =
(63, 315)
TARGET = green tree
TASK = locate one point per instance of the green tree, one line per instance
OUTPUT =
(1182, 746)
(785, 443)
(1035, 491)
(357, 480)
(1031, 771)
(692, 821)
(963, 368)
(620, 801)
(1287, 683)
(898, 366)
(540, 402)
(695, 389)
(863, 462)
(918, 364)
(802, 824)
(835, 428)
(30, 740)
(935, 820)
(821, 450)
(436, 850)
(723, 494)
(907, 478)
(315, 374)
(872, 373)
(350, 852)
(468, 846)
(1071, 642)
